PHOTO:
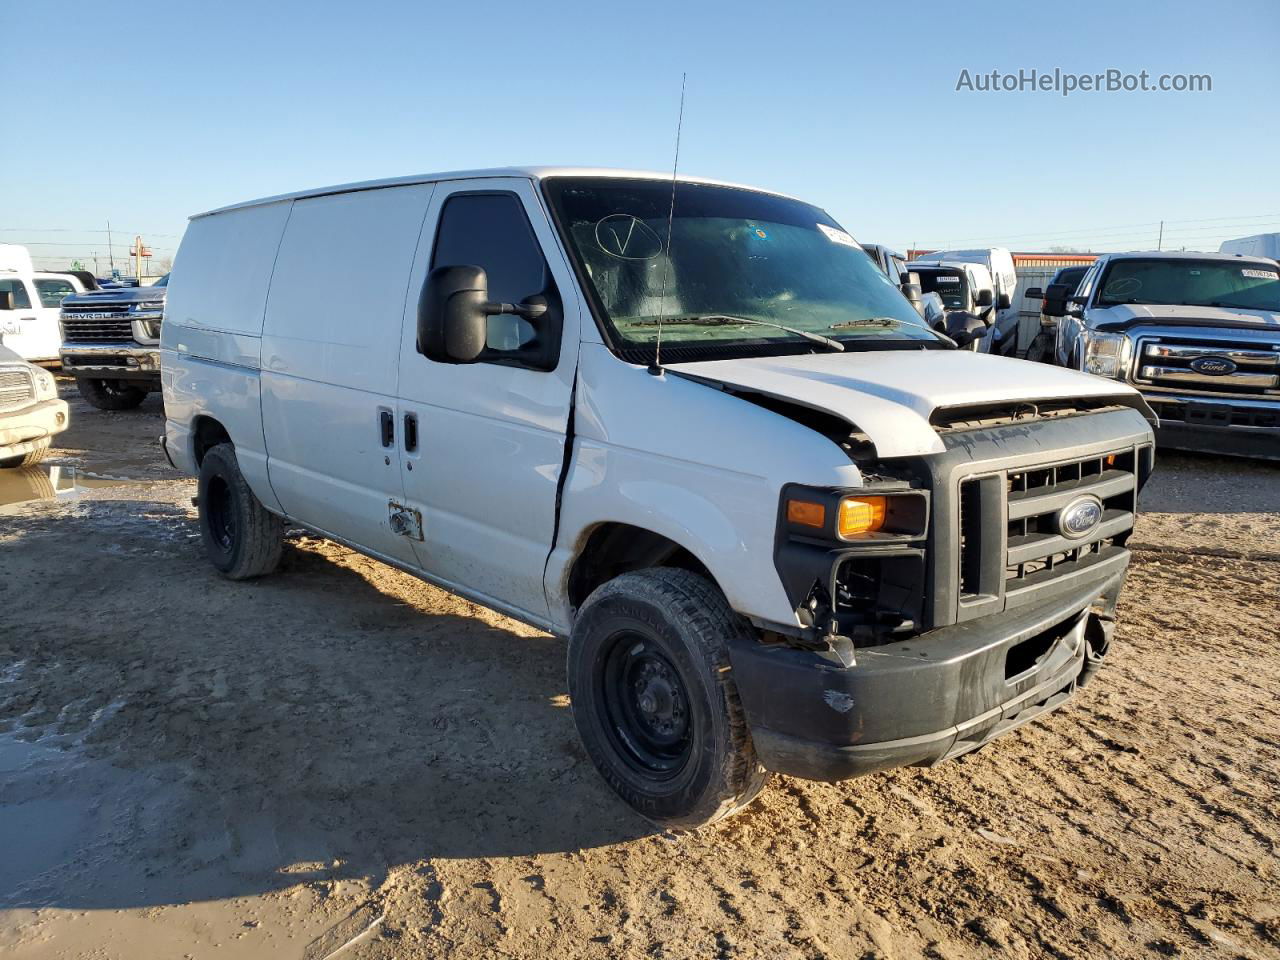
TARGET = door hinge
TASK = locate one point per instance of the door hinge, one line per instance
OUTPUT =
(405, 521)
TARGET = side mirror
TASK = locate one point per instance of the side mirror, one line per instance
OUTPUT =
(911, 277)
(964, 328)
(454, 311)
(985, 298)
(1075, 306)
(1034, 293)
(1055, 300)
(1004, 302)
(6, 300)
(912, 292)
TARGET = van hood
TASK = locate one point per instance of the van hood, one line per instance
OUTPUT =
(891, 395)
(1122, 316)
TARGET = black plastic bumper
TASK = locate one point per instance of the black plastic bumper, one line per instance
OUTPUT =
(923, 700)
(1230, 441)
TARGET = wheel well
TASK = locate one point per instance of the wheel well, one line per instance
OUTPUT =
(208, 433)
(613, 549)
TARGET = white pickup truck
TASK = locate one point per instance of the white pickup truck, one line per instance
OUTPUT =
(803, 533)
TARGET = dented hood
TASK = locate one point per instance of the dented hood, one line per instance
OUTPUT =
(890, 395)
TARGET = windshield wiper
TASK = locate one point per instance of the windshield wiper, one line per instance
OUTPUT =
(865, 322)
(723, 320)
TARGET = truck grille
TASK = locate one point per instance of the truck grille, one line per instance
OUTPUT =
(103, 323)
(1026, 503)
(16, 388)
(1207, 366)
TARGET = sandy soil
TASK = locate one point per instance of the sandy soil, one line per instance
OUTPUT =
(195, 768)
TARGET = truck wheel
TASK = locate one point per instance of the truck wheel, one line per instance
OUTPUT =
(242, 538)
(28, 459)
(654, 698)
(110, 394)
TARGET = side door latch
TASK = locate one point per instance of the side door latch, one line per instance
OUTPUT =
(405, 521)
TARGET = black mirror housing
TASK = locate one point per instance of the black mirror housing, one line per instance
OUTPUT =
(453, 322)
(1034, 293)
(1004, 302)
(1055, 300)
(964, 328)
(985, 298)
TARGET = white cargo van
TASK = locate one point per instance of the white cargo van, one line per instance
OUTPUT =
(1004, 285)
(29, 305)
(806, 534)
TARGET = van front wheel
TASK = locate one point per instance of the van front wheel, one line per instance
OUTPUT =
(654, 698)
(241, 537)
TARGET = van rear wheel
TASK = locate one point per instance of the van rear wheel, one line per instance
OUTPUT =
(110, 394)
(242, 538)
(654, 698)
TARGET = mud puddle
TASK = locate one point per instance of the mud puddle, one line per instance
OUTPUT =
(25, 485)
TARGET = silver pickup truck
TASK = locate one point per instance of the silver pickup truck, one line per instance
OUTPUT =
(111, 343)
(1197, 333)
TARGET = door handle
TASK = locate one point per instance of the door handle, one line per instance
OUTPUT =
(387, 425)
(411, 432)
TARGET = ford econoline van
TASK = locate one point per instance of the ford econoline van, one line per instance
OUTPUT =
(687, 425)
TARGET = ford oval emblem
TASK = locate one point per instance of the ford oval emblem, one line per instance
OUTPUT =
(1080, 517)
(1213, 366)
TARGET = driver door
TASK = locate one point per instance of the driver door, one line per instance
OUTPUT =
(485, 442)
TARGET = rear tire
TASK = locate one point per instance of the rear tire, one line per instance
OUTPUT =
(654, 698)
(241, 537)
(110, 394)
(28, 459)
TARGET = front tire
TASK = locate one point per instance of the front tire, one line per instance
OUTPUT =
(110, 394)
(242, 538)
(654, 698)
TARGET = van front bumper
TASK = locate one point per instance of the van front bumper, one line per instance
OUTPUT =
(127, 360)
(920, 701)
(1234, 426)
(23, 431)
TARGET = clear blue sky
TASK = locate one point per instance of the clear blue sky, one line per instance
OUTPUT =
(144, 114)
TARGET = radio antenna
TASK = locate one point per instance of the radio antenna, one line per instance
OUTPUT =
(655, 368)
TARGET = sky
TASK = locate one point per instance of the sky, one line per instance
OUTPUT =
(142, 115)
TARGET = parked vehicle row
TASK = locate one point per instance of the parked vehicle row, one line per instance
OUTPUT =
(1197, 333)
(785, 525)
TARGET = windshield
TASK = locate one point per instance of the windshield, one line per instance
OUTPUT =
(766, 261)
(1244, 285)
(950, 285)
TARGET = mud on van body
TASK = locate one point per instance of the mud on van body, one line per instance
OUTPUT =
(810, 536)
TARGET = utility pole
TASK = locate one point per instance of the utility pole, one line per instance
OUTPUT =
(1160, 239)
(111, 256)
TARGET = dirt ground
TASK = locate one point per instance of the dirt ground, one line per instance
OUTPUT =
(196, 768)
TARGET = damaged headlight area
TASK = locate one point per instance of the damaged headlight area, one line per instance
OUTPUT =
(853, 561)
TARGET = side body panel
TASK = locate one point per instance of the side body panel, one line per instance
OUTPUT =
(210, 343)
(699, 466)
(330, 353)
(31, 330)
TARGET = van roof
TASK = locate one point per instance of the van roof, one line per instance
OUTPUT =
(526, 173)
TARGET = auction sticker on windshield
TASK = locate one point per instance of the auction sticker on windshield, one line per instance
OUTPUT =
(1260, 274)
(836, 236)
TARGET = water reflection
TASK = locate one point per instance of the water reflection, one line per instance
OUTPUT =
(26, 484)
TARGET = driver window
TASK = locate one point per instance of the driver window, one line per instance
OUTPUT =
(17, 290)
(491, 230)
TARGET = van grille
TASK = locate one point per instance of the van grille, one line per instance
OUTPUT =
(16, 388)
(1028, 502)
(1225, 367)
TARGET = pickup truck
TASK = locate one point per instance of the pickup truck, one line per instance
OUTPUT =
(31, 412)
(690, 427)
(111, 343)
(1197, 333)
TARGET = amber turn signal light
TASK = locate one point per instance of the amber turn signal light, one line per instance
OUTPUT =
(861, 515)
(806, 514)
